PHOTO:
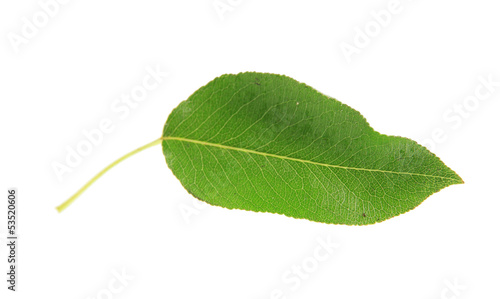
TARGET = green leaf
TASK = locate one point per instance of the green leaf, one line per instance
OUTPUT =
(267, 143)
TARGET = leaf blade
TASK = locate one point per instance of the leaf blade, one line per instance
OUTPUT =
(255, 136)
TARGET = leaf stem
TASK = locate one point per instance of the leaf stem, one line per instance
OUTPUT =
(70, 200)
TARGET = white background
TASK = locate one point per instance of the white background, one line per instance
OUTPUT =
(407, 80)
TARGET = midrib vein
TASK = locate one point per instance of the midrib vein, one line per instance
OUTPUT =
(296, 159)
